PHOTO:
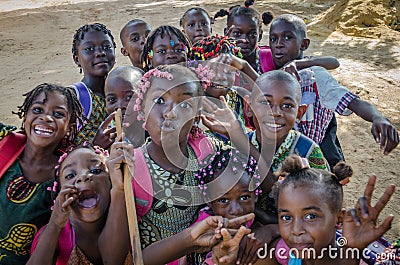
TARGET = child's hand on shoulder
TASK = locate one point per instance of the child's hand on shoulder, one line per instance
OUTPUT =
(105, 136)
(121, 153)
(62, 205)
(291, 68)
(360, 224)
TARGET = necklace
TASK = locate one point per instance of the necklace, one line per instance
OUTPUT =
(258, 66)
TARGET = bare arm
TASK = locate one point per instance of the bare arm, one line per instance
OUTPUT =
(328, 62)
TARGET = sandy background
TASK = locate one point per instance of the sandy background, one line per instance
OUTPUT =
(35, 47)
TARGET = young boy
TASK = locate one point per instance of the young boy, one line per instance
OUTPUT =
(133, 36)
(324, 95)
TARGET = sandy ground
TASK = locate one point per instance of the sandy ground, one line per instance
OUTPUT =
(35, 47)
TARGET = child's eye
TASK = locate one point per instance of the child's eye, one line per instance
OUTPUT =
(110, 100)
(128, 97)
(178, 50)
(161, 51)
(89, 48)
(310, 216)
(59, 114)
(223, 200)
(286, 217)
(96, 171)
(272, 39)
(253, 35)
(244, 197)
(134, 39)
(236, 34)
(288, 37)
(185, 105)
(287, 106)
(158, 100)
(37, 110)
(70, 176)
(107, 47)
(191, 25)
(204, 24)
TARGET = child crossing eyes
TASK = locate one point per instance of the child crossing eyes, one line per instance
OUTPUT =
(165, 45)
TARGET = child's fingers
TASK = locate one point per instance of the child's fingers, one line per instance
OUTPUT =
(67, 203)
(384, 226)
(369, 189)
(383, 200)
(353, 213)
(235, 222)
(107, 121)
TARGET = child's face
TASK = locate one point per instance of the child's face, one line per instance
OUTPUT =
(238, 201)
(197, 25)
(305, 218)
(118, 93)
(246, 32)
(221, 82)
(85, 171)
(96, 54)
(285, 43)
(275, 107)
(133, 41)
(170, 107)
(47, 120)
(168, 51)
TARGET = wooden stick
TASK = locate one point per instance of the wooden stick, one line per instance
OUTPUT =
(130, 203)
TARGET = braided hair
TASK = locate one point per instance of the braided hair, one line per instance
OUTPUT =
(161, 31)
(246, 10)
(212, 47)
(80, 35)
(74, 106)
(321, 181)
(214, 166)
(182, 20)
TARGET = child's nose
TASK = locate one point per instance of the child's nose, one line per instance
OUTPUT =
(236, 209)
(82, 178)
(170, 112)
(48, 117)
(297, 227)
(275, 110)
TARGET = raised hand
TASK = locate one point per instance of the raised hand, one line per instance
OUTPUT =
(360, 224)
(62, 205)
(105, 136)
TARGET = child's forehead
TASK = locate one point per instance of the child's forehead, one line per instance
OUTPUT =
(95, 35)
(56, 96)
(282, 26)
(196, 14)
(244, 21)
(267, 86)
(135, 27)
(118, 84)
(177, 84)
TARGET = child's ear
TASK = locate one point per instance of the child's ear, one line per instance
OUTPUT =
(301, 110)
(124, 51)
(225, 31)
(304, 44)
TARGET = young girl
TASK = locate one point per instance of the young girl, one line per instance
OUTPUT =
(169, 101)
(310, 210)
(196, 24)
(93, 51)
(133, 37)
(49, 113)
(244, 24)
(89, 208)
(165, 45)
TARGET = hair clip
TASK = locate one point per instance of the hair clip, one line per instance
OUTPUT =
(172, 42)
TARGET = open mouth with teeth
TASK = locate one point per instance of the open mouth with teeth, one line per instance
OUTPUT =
(87, 199)
(43, 130)
(274, 126)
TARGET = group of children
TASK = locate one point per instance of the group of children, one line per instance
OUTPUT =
(229, 154)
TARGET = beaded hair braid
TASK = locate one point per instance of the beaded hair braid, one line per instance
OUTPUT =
(73, 103)
(166, 71)
(80, 35)
(162, 31)
(56, 187)
(246, 10)
(212, 47)
(216, 164)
